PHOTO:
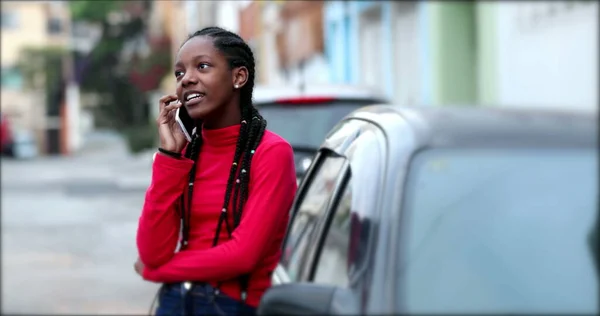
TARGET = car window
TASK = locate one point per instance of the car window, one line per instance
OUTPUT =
(306, 125)
(334, 261)
(310, 211)
(504, 231)
(346, 244)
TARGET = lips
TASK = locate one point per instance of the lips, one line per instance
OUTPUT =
(193, 97)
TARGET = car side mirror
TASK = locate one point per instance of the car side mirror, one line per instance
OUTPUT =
(297, 299)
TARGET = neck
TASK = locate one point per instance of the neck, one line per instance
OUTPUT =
(228, 117)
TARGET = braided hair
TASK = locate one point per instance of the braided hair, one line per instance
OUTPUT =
(238, 54)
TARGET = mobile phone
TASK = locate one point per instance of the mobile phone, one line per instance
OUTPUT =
(186, 122)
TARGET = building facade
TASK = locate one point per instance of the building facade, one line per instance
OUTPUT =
(513, 54)
(546, 54)
(34, 24)
(358, 43)
(301, 43)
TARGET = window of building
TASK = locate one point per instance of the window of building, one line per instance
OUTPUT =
(9, 19)
(54, 26)
(12, 78)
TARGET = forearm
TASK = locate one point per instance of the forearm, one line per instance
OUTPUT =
(202, 265)
(159, 223)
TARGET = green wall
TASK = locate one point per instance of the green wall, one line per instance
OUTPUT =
(487, 54)
(454, 52)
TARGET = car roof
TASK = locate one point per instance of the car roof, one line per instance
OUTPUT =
(481, 126)
(270, 93)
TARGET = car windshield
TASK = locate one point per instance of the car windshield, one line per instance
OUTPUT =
(306, 125)
(500, 231)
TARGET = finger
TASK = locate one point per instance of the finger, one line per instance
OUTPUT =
(167, 112)
(165, 100)
(173, 106)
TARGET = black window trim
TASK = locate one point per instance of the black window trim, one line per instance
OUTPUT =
(324, 223)
(301, 192)
(321, 156)
(315, 241)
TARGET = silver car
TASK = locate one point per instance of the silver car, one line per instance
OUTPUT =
(445, 210)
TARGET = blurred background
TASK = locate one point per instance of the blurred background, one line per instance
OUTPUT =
(81, 81)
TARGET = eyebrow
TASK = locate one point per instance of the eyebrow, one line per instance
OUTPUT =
(178, 63)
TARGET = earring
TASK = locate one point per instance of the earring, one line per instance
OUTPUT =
(236, 86)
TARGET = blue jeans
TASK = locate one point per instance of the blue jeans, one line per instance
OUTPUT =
(173, 300)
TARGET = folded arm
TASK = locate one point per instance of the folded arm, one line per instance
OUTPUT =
(265, 214)
(159, 223)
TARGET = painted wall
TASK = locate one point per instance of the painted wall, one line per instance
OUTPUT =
(337, 41)
(228, 15)
(315, 71)
(548, 55)
(457, 51)
(405, 54)
(358, 45)
(421, 54)
(272, 24)
(310, 64)
(487, 52)
(448, 53)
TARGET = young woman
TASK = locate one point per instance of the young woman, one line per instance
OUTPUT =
(224, 197)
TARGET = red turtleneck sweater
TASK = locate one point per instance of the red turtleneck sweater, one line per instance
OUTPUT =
(255, 245)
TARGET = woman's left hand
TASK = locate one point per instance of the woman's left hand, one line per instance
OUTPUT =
(139, 267)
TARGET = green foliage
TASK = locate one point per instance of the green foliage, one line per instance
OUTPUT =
(33, 59)
(141, 137)
(124, 107)
(106, 71)
(92, 10)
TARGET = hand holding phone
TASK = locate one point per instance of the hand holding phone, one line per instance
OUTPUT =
(186, 122)
(171, 136)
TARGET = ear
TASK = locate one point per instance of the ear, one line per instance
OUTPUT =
(240, 77)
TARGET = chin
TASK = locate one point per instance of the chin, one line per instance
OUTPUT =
(199, 113)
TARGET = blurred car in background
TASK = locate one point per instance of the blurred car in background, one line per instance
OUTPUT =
(445, 210)
(304, 116)
(16, 143)
(6, 137)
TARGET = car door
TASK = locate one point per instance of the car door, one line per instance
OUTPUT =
(334, 249)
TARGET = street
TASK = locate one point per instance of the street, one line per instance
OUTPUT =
(68, 234)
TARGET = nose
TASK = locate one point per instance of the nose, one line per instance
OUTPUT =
(189, 79)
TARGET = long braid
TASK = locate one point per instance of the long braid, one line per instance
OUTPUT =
(252, 129)
(232, 173)
(254, 137)
(239, 149)
(192, 152)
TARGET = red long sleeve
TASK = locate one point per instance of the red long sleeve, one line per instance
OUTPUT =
(159, 224)
(271, 193)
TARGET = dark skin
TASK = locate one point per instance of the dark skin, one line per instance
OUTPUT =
(201, 68)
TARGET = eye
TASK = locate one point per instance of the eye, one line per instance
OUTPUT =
(178, 73)
(203, 65)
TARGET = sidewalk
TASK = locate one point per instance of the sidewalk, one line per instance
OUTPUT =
(70, 223)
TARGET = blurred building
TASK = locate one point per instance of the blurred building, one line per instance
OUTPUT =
(33, 24)
(301, 42)
(542, 54)
(179, 19)
(509, 54)
(512, 54)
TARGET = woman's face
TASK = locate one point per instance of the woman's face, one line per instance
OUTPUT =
(204, 80)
